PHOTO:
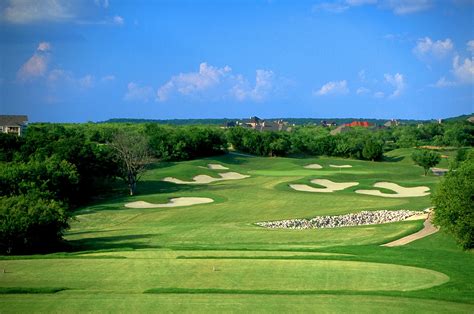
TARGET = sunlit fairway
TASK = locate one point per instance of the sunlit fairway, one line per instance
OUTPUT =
(212, 257)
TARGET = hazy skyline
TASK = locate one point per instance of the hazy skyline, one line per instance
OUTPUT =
(76, 61)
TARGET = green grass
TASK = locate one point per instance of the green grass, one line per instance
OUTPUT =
(212, 257)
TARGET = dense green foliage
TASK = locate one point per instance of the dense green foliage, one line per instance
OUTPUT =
(30, 223)
(184, 143)
(426, 159)
(454, 203)
(43, 177)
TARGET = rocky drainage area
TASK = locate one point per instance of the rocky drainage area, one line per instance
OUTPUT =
(356, 219)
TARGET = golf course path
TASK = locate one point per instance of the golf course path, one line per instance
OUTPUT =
(428, 229)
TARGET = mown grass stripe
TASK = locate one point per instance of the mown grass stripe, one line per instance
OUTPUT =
(23, 290)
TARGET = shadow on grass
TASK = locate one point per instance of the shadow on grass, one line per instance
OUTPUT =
(157, 186)
(124, 242)
(393, 158)
(160, 165)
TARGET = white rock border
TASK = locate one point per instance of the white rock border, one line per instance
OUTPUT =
(354, 219)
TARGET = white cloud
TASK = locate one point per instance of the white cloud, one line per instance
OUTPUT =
(464, 71)
(379, 94)
(443, 82)
(35, 67)
(362, 75)
(333, 87)
(118, 20)
(362, 91)
(27, 11)
(44, 47)
(193, 82)
(397, 81)
(108, 78)
(37, 64)
(470, 46)
(102, 3)
(264, 81)
(86, 81)
(215, 82)
(137, 93)
(333, 7)
(426, 48)
(360, 2)
(401, 7)
(59, 75)
(85, 12)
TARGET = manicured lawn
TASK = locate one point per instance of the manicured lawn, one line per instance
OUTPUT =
(212, 257)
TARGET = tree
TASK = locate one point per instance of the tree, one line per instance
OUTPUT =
(373, 150)
(30, 222)
(426, 159)
(454, 204)
(132, 152)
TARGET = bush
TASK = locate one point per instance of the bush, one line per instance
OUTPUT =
(454, 204)
(426, 159)
(31, 223)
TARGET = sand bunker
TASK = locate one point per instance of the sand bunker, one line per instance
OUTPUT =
(216, 167)
(399, 190)
(313, 166)
(340, 166)
(329, 186)
(203, 179)
(174, 202)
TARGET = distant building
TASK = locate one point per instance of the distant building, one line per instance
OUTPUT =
(325, 123)
(363, 124)
(13, 124)
(391, 123)
(258, 124)
(471, 119)
(254, 121)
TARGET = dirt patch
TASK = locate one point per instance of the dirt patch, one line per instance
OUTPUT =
(400, 191)
(329, 186)
(203, 179)
(217, 167)
(340, 166)
(173, 202)
(313, 166)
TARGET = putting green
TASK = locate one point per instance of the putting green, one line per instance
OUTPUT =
(124, 275)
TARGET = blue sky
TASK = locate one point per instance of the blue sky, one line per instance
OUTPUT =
(91, 60)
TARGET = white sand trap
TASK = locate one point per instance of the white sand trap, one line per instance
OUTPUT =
(174, 202)
(399, 190)
(313, 166)
(203, 178)
(330, 186)
(217, 167)
(340, 166)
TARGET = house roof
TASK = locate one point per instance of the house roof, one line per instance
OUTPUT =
(364, 124)
(6, 120)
